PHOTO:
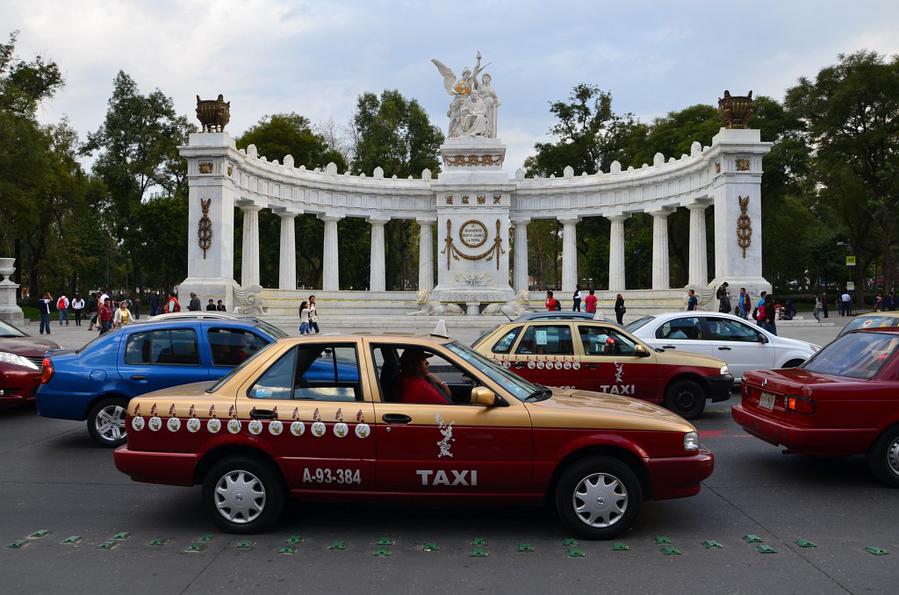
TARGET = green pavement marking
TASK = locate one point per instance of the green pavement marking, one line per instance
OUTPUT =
(430, 547)
(205, 538)
(479, 541)
(39, 534)
(670, 550)
(295, 539)
(574, 552)
(122, 536)
(384, 541)
(750, 538)
(478, 552)
(711, 544)
(876, 551)
(620, 547)
(337, 546)
(158, 541)
(195, 548)
(662, 540)
(245, 544)
(569, 542)
(382, 552)
(71, 540)
(766, 549)
(288, 550)
(525, 547)
(805, 543)
(18, 544)
(108, 545)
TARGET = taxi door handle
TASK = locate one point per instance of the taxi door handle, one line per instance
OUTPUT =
(591, 366)
(262, 413)
(668, 347)
(724, 349)
(396, 418)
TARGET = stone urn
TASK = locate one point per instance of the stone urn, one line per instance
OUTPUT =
(735, 110)
(7, 268)
(213, 114)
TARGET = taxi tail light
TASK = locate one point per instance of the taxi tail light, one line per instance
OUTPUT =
(797, 404)
(46, 370)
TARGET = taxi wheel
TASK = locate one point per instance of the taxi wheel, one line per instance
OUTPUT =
(244, 494)
(883, 458)
(598, 497)
(106, 422)
(686, 398)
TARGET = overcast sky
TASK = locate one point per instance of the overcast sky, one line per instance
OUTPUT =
(315, 58)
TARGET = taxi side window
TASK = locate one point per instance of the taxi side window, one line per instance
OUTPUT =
(546, 340)
(312, 372)
(723, 329)
(388, 368)
(504, 345)
(598, 340)
(689, 327)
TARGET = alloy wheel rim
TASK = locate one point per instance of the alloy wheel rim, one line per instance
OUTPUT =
(600, 500)
(110, 423)
(239, 496)
(893, 456)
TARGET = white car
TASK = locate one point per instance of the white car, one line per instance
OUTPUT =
(742, 344)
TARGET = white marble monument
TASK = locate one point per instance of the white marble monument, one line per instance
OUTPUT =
(9, 309)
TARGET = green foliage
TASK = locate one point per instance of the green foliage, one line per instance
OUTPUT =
(279, 135)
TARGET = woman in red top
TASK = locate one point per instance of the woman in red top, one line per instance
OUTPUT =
(552, 304)
(416, 384)
(105, 316)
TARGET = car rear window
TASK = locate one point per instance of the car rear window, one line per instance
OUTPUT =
(856, 355)
(872, 321)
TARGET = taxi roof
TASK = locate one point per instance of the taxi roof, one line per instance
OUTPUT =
(436, 339)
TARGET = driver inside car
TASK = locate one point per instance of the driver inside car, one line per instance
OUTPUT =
(417, 384)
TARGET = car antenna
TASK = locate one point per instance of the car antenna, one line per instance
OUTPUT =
(440, 330)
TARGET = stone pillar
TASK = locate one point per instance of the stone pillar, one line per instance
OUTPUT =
(249, 268)
(520, 271)
(425, 254)
(330, 259)
(616, 253)
(287, 263)
(569, 254)
(9, 309)
(660, 272)
(699, 273)
(378, 271)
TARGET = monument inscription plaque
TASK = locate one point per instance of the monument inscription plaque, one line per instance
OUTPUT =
(473, 233)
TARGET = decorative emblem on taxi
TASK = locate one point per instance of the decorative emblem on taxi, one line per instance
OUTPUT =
(318, 426)
(173, 423)
(444, 445)
(297, 427)
(275, 427)
(576, 365)
(340, 428)
(155, 422)
(137, 422)
(531, 365)
(363, 430)
(619, 373)
(540, 364)
(214, 424)
(233, 423)
(255, 426)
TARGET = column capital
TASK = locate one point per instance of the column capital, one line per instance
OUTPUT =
(568, 220)
(330, 217)
(426, 220)
(519, 220)
(287, 213)
(618, 217)
(250, 206)
(379, 220)
(660, 212)
(698, 206)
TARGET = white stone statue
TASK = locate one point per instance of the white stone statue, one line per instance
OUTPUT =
(473, 101)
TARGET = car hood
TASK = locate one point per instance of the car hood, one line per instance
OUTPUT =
(587, 409)
(27, 346)
(785, 343)
(685, 358)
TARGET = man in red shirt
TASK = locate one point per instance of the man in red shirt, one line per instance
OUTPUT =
(416, 384)
(105, 316)
(590, 303)
(552, 304)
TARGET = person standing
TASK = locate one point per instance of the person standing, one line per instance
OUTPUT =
(576, 299)
(62, 308)
(172, 305)
(818, 308)
(824, 303)
(44, 306)
(551, 303)
(770, 314)
(93, 307)
(210, 305)
(878, 302)
(846, 304)
(313, 315)
(723, 298)
(304, 318)
(760, 314)
(194, 304)
(220, 306)
(154, 303)
(135, 307)
(104, 316)
(77, 308)
(890, 300)
(619, 309)
(590, 302)
(122, 315)
(692, 301)
(743, 304)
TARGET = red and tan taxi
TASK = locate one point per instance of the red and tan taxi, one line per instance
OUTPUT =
(402, 417)
(601, 357)
(843, 401)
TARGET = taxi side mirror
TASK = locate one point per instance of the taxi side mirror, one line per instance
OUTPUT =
(481, 395)
(641, 351)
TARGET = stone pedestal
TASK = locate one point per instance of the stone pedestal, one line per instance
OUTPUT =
(9, 309)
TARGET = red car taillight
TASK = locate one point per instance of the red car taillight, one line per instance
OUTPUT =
(46, 370)
(797, 404)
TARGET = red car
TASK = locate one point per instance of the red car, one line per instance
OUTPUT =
(843, 401)
(20, 364)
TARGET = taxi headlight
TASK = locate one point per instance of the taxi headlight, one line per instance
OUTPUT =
(691, 441)
(16, 360)
(724, 370)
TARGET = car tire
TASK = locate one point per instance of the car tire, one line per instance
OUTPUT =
(244, 494)
(616, 497)
(686, 398)
(106, 421)
(883, 457)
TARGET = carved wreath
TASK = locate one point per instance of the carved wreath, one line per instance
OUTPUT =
(744, 225)
(204, 227)
(453, 253)
(462, 160)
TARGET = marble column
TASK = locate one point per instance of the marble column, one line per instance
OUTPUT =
(660, 270)
(569, 254)
(378, 271)
(287, 263)
(616, 253)
(426, 254)
(698, 275)
(330, 259)
(249, 258)
(520, 255)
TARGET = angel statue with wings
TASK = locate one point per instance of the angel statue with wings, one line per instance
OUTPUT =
(468, 112)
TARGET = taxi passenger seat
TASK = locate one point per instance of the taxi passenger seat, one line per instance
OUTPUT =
(390, 373)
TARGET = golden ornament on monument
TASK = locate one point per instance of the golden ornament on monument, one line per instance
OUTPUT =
(213, 114)
(735, 110)
(744, 225)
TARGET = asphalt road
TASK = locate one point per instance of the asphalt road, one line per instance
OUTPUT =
(54, 479)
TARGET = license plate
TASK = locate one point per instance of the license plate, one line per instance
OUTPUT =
(766, 401)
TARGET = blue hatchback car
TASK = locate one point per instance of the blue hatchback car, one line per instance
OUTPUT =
(96, 382)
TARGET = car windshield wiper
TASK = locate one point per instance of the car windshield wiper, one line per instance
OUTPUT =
(541, 394)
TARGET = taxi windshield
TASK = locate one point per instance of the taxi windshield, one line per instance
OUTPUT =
(231, 374)
(520, 388)
(856, 355)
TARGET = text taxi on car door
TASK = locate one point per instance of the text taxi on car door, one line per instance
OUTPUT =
(601, 357)
(406, 417)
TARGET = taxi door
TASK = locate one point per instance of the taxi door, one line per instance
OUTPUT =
(452, 449)
(311, 409)
(544, 353)
(610, 364)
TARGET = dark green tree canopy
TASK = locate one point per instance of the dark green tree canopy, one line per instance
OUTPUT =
(291, 134)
